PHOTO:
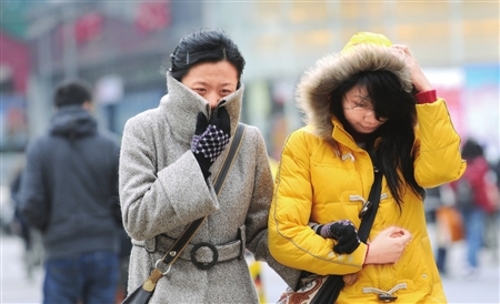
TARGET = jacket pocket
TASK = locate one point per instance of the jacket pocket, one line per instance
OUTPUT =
(413, 269)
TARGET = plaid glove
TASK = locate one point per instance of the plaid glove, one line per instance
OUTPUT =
(210, 138)
(343, 232)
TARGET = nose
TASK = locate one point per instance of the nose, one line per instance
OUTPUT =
(369, 116)
(213, 99)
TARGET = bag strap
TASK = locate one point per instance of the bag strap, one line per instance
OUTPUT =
(228, 162)
(175, 251)
(180, 244)
(330, 290)
(373, 202)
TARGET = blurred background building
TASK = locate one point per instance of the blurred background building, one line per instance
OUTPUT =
(122, 48)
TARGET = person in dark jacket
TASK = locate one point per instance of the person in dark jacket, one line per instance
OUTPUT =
(69, 191)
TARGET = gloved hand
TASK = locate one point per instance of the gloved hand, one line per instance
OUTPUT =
(344, 233)
(210, 138)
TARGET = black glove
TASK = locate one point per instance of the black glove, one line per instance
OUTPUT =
(344, 233)
(210, 138)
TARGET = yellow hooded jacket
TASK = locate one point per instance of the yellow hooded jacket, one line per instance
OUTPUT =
(323, 172)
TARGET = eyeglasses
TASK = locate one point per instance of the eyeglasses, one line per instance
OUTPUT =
(364, 108)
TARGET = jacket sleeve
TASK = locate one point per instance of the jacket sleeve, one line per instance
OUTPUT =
(258, 213)
(34, 200)
(438, 158)
(292, 241)
(157, 200)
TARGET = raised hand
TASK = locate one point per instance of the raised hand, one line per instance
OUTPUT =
(420, 82)
(210, 138)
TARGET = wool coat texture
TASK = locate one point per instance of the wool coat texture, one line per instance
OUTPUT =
(162, 189)
(324, 176)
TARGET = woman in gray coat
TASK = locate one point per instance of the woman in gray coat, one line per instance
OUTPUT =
(170, 156)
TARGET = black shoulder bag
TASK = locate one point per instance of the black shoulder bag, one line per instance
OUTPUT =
(144, 292)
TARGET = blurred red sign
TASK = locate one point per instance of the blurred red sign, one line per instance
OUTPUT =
(152, 16)
(88, 27)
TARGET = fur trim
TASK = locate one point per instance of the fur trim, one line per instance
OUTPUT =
(330, 71)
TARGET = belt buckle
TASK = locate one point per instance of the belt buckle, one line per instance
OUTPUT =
(200, 265)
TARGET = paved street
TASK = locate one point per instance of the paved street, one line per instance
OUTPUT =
(16, 288)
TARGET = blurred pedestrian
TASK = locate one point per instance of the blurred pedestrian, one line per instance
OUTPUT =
(471, 192)
(432, 202)
(448, 223)
(493, 227)
(170, 156)
(69, 191)
(369, 110)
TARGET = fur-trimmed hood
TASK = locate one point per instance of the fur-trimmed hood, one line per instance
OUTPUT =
(364, 52)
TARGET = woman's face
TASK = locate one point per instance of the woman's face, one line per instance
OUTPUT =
(358, 111)
(212, 80)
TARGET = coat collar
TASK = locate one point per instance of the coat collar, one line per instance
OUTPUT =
(181, 106)
(340, 135)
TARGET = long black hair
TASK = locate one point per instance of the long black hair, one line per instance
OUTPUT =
(393, 155)
(204, 45)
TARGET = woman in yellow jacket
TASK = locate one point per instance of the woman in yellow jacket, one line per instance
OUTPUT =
(368, 106)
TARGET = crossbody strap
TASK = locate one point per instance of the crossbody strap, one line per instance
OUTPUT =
(330, 290)
(373, 203)
(175, 251)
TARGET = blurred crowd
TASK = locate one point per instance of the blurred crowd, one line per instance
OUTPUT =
(467, 211)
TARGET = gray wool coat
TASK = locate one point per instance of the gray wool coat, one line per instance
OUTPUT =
(162, 189)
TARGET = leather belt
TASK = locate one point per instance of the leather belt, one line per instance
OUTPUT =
(203, 252)
(202, 255)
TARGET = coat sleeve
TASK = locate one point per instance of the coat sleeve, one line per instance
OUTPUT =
(292, 242)
(34, 193)
(258, 213)
(157, 200)
(438, 158)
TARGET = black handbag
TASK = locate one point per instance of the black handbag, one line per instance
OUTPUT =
(143, 293)
(316, 289)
